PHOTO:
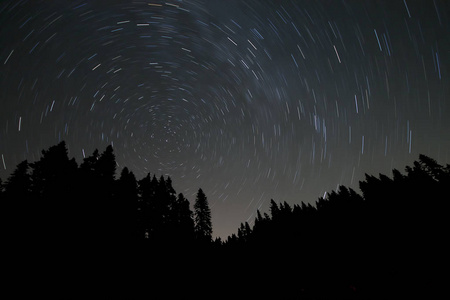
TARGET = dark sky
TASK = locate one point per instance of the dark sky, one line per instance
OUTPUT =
(249, 100)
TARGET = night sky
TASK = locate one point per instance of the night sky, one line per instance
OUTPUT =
(248, 100)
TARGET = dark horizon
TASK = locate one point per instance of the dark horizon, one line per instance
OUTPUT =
(57, 176)
(386, 241)
(248, 100)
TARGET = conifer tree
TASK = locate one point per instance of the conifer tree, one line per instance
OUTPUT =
(103, 171)
(18, 184)
(123, 207)
(274, 210)
(107, 165)
(145, 192)
(52, 176)
(16, 205)
(203, 225)
(183, 217)
(54, 189)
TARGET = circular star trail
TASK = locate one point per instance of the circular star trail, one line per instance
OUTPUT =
(249, 100)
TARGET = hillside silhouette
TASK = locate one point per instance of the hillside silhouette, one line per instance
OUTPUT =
(387, 242)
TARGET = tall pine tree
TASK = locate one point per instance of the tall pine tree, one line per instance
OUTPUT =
(202, 218)
(54, 189)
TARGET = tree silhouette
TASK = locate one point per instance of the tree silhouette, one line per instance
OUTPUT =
(125, 199)
(18, 185)
(52, 173)
(54, 193)
(107, 164)
(143, 202)
(146, 207)
(388, 241)
(107, 171)
(17, 206)
(163, 217)
(183, 223)
(151, 208)
(202, 217)
(91, 197)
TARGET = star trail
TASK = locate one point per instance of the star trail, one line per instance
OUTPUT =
(249, 100)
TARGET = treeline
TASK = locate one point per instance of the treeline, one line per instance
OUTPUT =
(55, 198)
(388, 242)
(403, 202)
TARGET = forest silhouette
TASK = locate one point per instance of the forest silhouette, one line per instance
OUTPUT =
(387, 242)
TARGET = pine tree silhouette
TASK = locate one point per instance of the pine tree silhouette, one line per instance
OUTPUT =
(18, 185)
(91, 198)
(184, 224)
(107, 173)
(387, 242)
(145, 193)
(153, 210)
(146, 206)
(107, 164)
(125, 199)
(54, 192)
(202, 217)
(17, 205)
(52, 173)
